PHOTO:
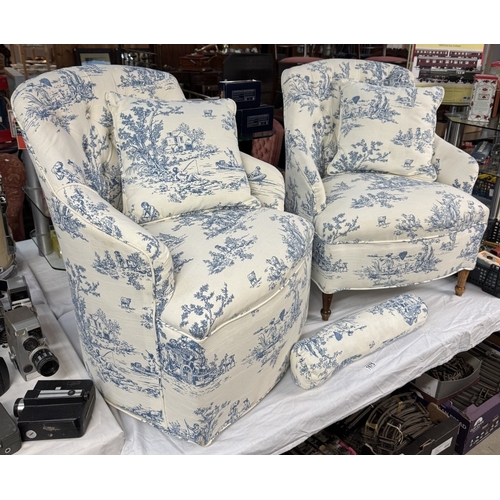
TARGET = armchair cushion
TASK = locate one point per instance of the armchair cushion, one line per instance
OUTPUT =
(170, 167)
(382, 231)
(386, 129)
(229, 275)
(315, 359)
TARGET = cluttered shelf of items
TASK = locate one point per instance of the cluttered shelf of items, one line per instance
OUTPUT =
(337, 417)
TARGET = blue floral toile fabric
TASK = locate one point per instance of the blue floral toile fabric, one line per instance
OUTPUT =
(315, 359)
(186, 309)
(390, 201)
(188, 159)
(386, 129)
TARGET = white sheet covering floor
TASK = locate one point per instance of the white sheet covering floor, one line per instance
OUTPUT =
(288, 414)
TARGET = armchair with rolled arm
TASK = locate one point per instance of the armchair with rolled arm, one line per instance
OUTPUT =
(390, 201)
(190, 283)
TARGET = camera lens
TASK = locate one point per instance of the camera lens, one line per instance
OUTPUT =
(30, 344)
(36, 333)
(45, 362)
(18, 407)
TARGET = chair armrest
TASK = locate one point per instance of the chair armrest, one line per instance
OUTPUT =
(266, 182)
(305, 192)
(454, 166)
(88, 225)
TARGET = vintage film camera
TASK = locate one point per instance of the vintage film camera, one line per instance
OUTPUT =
(28, 348)
(55, 409)
(10, 437)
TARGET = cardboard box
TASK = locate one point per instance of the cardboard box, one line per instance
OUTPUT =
(454, 93)
(439, 391)
(483, 97)
(439, 440)
(476, 422)
(245, 93)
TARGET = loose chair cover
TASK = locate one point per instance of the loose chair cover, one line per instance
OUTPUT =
(390, 201)
(189, 281)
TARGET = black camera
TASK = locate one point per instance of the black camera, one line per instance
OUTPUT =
(29, 350)
(10, 437)
(55, 409)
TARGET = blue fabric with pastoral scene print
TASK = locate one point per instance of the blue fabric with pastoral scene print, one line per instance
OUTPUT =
(187, 299)
(316, 358)
(390, 200)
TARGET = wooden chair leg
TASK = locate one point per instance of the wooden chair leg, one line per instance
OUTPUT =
(461, 280)
(325, 311)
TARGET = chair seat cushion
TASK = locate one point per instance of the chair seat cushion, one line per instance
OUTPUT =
(228, 263)
(177, 156)
(385, 208)
(386, 129)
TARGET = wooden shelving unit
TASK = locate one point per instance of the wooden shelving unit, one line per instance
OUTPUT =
(32, 59)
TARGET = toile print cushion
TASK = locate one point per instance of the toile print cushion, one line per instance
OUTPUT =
(315, 359)
(177, 156)
(386, 129)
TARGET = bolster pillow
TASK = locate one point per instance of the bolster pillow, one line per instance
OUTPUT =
(313, 360)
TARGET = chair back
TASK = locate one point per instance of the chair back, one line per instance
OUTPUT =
(64, 115)
(311, 100)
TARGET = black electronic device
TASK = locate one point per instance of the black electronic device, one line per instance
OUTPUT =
(245, 93)
(481, 151)
(4, 377)
(55, 409)
(252, 120)
(10, 437)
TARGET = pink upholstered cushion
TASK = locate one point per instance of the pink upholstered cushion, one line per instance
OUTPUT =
(268, 149)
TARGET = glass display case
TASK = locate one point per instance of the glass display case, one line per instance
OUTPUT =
(460, 128)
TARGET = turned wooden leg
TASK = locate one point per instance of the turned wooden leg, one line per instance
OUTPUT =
(325, 311)
(461, 280)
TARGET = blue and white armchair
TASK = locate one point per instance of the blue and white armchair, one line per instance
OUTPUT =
(189, 281)
(390, 200)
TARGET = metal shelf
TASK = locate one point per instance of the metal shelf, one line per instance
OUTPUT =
(490, 129)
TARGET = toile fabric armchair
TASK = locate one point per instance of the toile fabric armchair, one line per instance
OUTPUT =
(390, 201)
(190, 282)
